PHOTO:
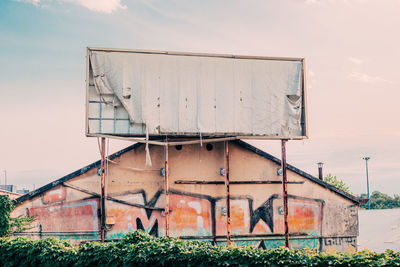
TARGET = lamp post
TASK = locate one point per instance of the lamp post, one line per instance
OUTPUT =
(320, 175)
(366, 168)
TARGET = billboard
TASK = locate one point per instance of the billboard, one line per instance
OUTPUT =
(135, 93)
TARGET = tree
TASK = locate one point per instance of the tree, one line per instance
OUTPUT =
(380, 200)
(332, 180)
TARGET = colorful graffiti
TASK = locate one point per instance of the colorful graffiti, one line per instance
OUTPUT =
(56, 195)
(128, 218)
(195, 215)
(191, 216)
(68, 217)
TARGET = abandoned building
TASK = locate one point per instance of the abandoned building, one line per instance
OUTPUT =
(320, 215)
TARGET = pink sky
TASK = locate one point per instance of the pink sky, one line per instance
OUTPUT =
(352, 50)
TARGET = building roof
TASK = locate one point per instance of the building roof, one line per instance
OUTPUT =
(298, 171)
(238, 142)
(5, 192)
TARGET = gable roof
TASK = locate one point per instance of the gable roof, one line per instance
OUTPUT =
(5, 192)
(73, 174)
(298, 171)
(238, 142)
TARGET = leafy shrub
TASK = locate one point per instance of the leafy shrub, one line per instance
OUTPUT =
(140, 249)
(6, 206)
(8, 224)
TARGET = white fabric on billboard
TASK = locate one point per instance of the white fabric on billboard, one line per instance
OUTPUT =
(175, 94)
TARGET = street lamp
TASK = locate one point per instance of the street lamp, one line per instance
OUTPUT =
(366, 167)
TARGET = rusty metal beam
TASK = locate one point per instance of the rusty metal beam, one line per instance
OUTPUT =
(228, 194)
(234, 182)
(285, 194)
(102, 196)
(166, 186)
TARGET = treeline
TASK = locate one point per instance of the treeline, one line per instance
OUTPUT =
(377, 200)
(380, 200)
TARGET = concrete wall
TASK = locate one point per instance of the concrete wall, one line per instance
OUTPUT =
(324, 218)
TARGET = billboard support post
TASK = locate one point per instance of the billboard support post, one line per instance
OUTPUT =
(228, 195)
(166, 186)
(103, 178)
(285, 197)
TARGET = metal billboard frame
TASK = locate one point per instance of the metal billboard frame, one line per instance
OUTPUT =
(139, 138)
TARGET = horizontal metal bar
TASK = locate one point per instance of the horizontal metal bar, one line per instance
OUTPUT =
(66, 232)
(234, 182)
(300, 234)
(132, 139)
(67, 235)
(193, 54)
(215, 137)
(97, 102)
(108, 119)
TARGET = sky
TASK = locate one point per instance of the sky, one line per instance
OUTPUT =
(352, 50)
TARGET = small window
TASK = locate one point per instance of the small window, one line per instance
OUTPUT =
(178, 147)
(209, 147)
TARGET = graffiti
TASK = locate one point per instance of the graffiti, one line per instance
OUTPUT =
(305, 215)
(340, 241)
(204, 216)
(294, 243)
(56, 195)
(191, 215)
(64, 217)
(352, 217)
(128, 218)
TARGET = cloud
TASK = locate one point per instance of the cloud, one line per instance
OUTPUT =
(33, 2)
(355, 60)
(362, 77)
(102, 6)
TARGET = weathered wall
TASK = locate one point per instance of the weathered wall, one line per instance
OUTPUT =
(324, 218)
(9, 194)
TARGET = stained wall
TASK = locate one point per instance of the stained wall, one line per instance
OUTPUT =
(318, 217)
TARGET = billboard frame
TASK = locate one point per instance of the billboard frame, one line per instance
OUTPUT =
(138, 138)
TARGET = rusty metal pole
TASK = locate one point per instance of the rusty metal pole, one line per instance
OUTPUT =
(166, 186)
(285, 198)
(102, 199)
(228, 195)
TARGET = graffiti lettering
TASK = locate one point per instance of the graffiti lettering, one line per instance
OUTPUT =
(339, 241)
(202, 215)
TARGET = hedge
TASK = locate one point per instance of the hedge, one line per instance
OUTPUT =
(140, 249)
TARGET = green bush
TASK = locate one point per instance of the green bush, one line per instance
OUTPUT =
(8, 224)
(140, 249)
(6, 206)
